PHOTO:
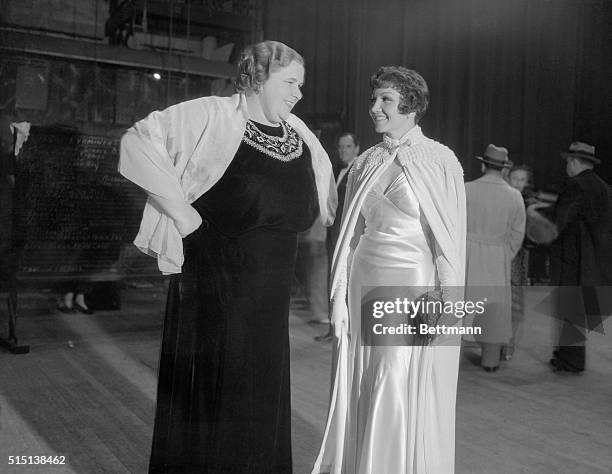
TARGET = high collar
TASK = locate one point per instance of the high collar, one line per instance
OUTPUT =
(414, 135)
(584, 172)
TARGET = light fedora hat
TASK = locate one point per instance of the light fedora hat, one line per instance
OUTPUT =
(496, 156)
(581, 150)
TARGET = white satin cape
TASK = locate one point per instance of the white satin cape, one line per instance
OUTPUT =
(179, 153)
(436, 177)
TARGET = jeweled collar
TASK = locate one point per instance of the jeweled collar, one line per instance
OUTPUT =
(414, 135)
(285, 148)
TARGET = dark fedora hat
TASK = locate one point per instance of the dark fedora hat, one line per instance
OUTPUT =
(496, 156)
(581, 150)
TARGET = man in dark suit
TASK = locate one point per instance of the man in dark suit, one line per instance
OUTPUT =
(348, 150)
(581, 256)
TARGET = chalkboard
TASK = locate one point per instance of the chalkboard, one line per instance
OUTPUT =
(75, 216)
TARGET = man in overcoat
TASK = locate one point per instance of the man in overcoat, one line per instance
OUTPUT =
(581, 256)
(495, 231)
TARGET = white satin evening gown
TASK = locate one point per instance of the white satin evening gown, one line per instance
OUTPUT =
(401, 404)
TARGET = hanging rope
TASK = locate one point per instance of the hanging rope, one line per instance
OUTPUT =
(170, 36)
(188, 37)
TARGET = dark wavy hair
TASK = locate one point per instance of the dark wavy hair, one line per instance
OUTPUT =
(258, 60)
(413, 90)
(349, 134)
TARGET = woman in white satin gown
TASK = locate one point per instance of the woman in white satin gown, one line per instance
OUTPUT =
(392, 409)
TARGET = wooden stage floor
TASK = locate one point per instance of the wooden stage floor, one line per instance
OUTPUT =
(86, 391)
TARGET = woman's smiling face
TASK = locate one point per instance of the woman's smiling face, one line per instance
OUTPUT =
(384, 110)
(281, 91)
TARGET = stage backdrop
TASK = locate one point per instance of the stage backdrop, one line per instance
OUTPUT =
(531, 75)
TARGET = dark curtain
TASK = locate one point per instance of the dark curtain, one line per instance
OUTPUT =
(531, 75)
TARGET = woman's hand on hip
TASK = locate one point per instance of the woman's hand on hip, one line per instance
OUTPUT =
(185, 217)
(188, 222)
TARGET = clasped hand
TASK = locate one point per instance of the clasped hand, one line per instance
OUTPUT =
(339, 317)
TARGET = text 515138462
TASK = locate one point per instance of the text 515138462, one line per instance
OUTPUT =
(36, 460)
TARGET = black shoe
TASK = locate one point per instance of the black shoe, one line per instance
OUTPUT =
(82, 309)
(490, 369)
(560, 366)
(65, 309)
(506, 353)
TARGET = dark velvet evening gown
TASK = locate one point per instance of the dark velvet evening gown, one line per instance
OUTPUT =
(223, 401)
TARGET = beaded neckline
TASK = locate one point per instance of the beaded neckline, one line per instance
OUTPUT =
(409, 138)
(287, 147)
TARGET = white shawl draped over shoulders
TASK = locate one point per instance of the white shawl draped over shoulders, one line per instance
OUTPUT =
(179, 153)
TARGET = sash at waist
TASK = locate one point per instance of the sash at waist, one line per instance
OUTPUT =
(486, 239)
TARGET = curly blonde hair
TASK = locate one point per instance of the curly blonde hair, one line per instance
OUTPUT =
(258, 60)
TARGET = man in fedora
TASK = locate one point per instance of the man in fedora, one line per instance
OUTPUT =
(581, 256)
(496, 227)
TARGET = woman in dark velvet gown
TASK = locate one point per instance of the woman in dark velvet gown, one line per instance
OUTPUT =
(223, 400)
